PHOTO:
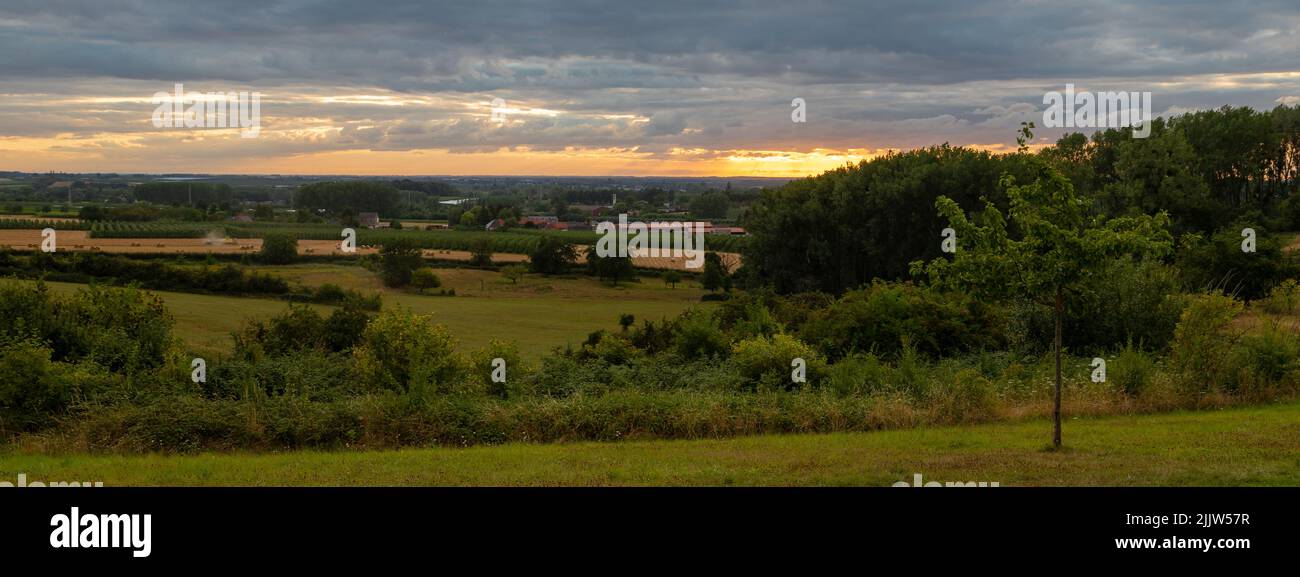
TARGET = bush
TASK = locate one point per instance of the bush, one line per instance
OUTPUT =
(482, 368)
(408, 353)
(425, 278)
(329, 293)
(857, 374)
(31, 387)
(279, 248)
(1203, 342)
(1284, 298)
(698, 335)
(552, 256)
(615, 350)
(1218, 263)
(306, 374)
(1274, 354)
(398, 260)
(767, 361)
(879, 318)
(1131, 370)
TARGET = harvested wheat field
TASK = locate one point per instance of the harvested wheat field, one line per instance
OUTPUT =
(79, 240)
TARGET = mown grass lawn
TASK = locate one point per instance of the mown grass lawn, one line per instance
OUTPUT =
(1249, 446)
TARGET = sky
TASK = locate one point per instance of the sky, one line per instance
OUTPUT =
(551, 87)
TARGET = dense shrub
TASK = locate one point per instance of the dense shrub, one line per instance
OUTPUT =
(299, 328)
(279, 248)
(698, 335)
(857, 374)
(398, 260)
(1218, 263)
(881, 317)
(1284, 298)
(481, 364)
(1136, 302)
(1131, 369)
(1203, 341)
(408, 353)
(307, 374)
(767, 361)
(148, 274)
(32, 387)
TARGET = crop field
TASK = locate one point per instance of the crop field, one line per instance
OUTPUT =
(80, 240)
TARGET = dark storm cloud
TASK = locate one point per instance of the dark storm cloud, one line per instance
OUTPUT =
(462, 44)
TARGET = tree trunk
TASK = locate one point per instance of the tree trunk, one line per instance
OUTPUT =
(1056, 408)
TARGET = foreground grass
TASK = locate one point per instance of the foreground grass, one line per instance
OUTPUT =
(1250, 446)
(204, 322)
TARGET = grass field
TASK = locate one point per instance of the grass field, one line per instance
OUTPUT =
(1250, 446)
(537, 322)
(483, 283)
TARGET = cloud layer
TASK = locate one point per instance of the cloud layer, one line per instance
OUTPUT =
(665, 88)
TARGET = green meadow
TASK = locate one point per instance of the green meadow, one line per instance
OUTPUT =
(538, 313)
(1237, 447)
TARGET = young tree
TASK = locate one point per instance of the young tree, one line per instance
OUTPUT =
(514, 272)
(672, 277)
(1058, 244)
(715, 274)
(425, 278)
(481, 253)
(398, 260)
(625, 320)
(610, 268)
(552, 256)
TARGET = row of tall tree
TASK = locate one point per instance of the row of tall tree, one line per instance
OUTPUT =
(1212, 172)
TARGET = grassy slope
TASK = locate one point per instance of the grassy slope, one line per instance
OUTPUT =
(537, 320)
(1253, 446)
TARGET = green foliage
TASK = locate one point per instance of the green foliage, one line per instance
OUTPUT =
(31, 386)
(301, 328)
(1284, 298)
(609, 268)
(480, 253)
(341, 198)
(148, 274)
(482, 368)
(711, 204)
(880, 318)
(1131, 370)
(1059, 246)
(424, 278)
(514, 272)
(398, 260)
(1273, 353)
(408, 353)
(698, 335)
(279, 248)
(1126, 301)
(851, 225)
(857, 374)
(1203, 342)
(1218, 262)
(178, 193)
(766, 361)
(715, 275)
(552, 256)
(672, 277)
